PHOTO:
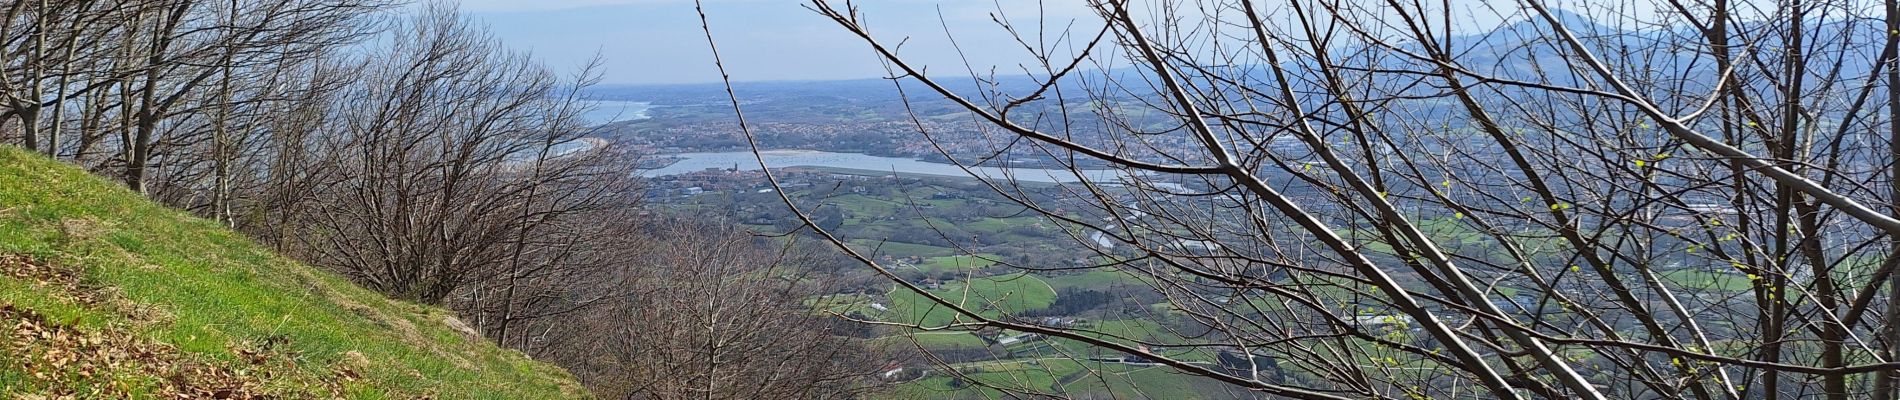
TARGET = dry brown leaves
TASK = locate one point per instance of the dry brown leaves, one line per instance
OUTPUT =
(66, 284)
(67, 362)
(60, 281)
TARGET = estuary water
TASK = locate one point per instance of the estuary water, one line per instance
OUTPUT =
(868, 164)
(608, 111)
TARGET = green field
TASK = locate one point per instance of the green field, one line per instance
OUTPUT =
(988, 296)
(1703, 280)
(1098, 278)
(951, 237)
(933, 340)
(1032, 374)
(899, 249)
(1060, 377)
(957, 264)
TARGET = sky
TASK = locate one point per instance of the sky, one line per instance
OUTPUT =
(660, 41)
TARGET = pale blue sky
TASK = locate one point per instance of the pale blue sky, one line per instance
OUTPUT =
(659, 41)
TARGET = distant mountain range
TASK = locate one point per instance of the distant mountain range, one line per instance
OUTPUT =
(1526, 50)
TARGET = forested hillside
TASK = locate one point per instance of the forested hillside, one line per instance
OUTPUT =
(395, 146)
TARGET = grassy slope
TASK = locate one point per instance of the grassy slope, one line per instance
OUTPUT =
(218, 301)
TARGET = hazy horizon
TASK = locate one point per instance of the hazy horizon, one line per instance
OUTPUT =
(644, 42)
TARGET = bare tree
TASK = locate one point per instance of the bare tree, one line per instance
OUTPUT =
(422, 159)
(449, 152)
(1387, 200)
(714, 313)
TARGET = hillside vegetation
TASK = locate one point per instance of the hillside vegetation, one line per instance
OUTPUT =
(104, 294)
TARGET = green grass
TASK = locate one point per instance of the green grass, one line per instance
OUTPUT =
(989, 296)
(1096, 279)
(1067, 377)
(960, 263)
(1041, 375)
(1702, 280)
(998, 224)
(1140, 382)
(933, 340)
(187, 283)
(900, 249)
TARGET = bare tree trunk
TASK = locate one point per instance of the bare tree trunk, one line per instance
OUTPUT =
(53, 133)
(221, 141)
(1885, 380)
